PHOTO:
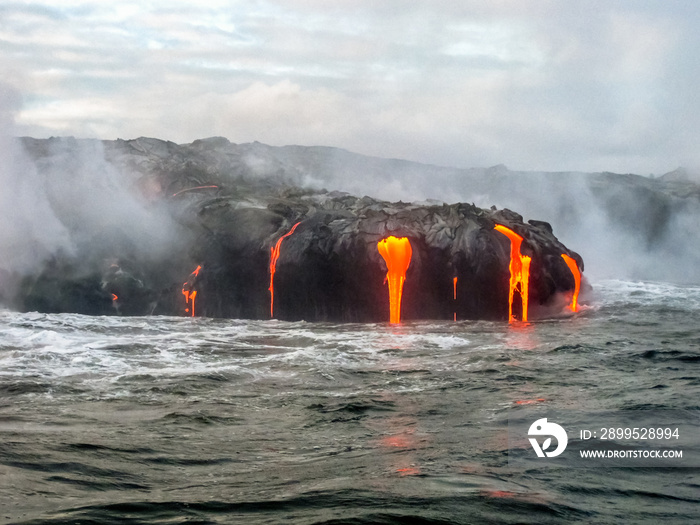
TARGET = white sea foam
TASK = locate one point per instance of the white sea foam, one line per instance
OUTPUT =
(610, 292)
(94, 351)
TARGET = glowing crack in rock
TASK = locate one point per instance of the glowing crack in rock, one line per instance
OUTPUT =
(274, 255)
(519, 272)
(573, 266)
(191, 189)
(187, 291)
(397, 254)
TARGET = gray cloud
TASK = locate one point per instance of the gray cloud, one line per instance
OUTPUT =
(535, 85)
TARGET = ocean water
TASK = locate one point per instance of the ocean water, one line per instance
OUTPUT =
(181, 420)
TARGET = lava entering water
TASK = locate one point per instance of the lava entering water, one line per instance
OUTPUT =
(519, 271)
(397, 255)
(571, 263)
(454, 294)
(188, 292)
(274, 255)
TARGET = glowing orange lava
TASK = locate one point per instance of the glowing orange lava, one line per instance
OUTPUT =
(397, 254)
(188, 292)
(114, 297)
(571, 263)
(274, 255)
(519, 271)
(454, 294)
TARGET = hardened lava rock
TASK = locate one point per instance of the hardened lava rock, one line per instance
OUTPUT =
(228, 209)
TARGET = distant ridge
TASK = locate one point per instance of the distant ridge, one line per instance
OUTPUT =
(646, 216)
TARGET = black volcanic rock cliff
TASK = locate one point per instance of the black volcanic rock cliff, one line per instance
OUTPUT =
(222, 208)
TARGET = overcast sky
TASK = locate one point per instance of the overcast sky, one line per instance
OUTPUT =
(536, 85)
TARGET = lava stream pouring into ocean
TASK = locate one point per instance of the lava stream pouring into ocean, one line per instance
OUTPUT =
(397, 253)
(519, 272)
(274, 255)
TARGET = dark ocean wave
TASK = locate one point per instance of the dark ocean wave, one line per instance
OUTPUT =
(172, 420)
(351, 506)
(671, 355)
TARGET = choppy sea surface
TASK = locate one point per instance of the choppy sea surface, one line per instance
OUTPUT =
(180, 420)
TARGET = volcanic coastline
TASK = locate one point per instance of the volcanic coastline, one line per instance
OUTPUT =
(244, 240)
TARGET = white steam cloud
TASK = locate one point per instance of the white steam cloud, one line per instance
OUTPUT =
(30, 232)
(64, 200)
(624, 226)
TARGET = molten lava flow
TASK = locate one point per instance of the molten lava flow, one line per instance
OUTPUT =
(274, 255)
(397, 255)
(571, 263)
(114, 297)
(192, 297)
(188, 292)
(519, 271)
(195, 188)
(454, 294)
(525, 283)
